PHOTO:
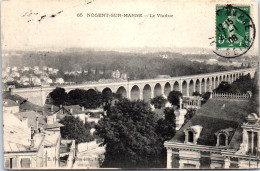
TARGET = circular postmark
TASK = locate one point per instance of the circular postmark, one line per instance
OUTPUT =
(235, 31)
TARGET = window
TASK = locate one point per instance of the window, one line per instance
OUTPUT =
(252, 142)
(190, 136)
(25, 163)
(7, 164)
(222, 140)
(189, 166)
(10, 163)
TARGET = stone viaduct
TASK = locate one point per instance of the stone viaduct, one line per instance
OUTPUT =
(144, 89)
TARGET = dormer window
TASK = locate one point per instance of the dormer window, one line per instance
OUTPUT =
(192, 134)
(223, 135)
(252, 142)
(222, 140)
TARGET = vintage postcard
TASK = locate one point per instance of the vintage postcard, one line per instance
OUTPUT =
(130, 84)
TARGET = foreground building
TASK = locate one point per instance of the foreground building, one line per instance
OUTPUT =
(31, 140)
(222, 135)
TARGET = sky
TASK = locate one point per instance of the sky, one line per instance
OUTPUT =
(192, 24)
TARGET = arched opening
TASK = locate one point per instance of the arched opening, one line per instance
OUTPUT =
(106, 91)
(251, 75)
(190, 136)
(216, 82)
(135, 93)
(231, 78)
(212, 83)
(203, 85)
(191, 87)
(197, 86)
(224, 78)
(176, 86)
(220, 79)
(167, 89)
(48, 99)
(234, 77)
(207, 85)
(157, 90)
(121, 90)
(90, 91)
(184, 88)
(147, 92)
(222, 140)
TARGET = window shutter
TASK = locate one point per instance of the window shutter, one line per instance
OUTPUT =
(7, 163)
(14, 163)
(25, 163)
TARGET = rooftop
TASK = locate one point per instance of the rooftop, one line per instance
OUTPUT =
(9, 103)
(73, 109)
(31, 116)
(214, 116)
(24, 104)
(17, 135)
(51, 139)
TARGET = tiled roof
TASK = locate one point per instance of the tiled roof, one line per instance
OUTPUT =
(16, 135)
(214, 116)
(49, 109)
(54, 125)
(31, 115)
(9, 103)
(76, 109)
(25, 105)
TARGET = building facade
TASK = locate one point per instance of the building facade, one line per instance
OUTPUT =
(216, 140)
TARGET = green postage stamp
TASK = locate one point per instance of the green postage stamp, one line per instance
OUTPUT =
(235, 30)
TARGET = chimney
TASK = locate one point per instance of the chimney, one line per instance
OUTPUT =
(82, 108)
(180, 117)
(180, 103)
(17, 101)
(37, 123)
(51, 108)
(49, 120)
(32, 140)
(71, 110)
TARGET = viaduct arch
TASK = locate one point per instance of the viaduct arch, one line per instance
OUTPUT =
(144, 89)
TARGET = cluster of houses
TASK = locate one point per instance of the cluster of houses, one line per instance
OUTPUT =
(36, 76)
(28, 76)
(32, 136)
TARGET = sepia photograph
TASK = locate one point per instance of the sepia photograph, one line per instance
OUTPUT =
(127, 84)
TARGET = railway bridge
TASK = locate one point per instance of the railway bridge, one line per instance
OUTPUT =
(144, 89)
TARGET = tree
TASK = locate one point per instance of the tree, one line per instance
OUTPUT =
(129, 133)
(87, 98)
(196, 93)
(158, 102)
(108, 98)
(174, 98)
(206, 95)
(241, 85)
(224, 87)
(75, 129)
(166, 127)
(97, 74)
(90, 74)
(189, 115)
(59, 96)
